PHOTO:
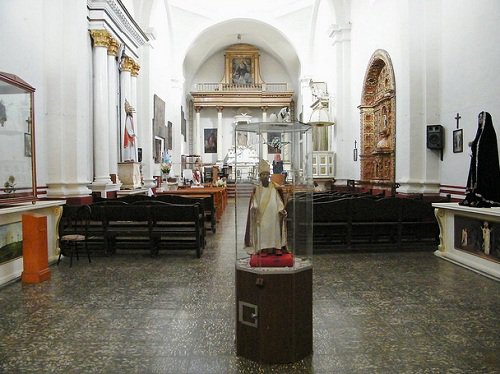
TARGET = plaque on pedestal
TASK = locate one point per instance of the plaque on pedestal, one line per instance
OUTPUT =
(129, 174)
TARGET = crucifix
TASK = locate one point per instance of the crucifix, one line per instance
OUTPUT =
(458, 119)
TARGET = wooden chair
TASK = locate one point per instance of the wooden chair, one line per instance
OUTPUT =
(73, 231)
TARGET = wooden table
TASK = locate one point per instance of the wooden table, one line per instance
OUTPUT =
(219, 195)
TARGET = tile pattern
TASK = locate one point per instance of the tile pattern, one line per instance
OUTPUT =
(129, 313)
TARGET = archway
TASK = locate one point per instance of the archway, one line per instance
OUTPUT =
(378, 121)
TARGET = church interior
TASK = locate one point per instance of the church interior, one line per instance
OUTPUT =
(135, 134)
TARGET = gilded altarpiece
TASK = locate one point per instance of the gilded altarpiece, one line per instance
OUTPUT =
(378, 122)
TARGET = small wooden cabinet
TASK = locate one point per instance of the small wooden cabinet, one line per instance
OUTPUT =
(274, 314)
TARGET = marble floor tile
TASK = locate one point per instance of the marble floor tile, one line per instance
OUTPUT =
(384, 312)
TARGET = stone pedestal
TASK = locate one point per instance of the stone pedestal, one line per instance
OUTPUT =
(129, 174)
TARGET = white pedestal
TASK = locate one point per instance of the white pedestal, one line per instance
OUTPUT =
(129, 174)
(452, 218)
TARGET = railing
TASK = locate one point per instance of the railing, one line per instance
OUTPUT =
(229, 87)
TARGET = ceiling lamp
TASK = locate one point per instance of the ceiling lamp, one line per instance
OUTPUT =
(320, 116)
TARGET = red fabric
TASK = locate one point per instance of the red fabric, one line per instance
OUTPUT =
(264, 260)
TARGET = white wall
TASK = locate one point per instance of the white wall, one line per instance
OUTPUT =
(470, 82)
(444, 55)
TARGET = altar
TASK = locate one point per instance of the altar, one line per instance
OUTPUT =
(470, 237)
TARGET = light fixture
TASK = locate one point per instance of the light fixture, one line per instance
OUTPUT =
(320, 116)
(355, 151)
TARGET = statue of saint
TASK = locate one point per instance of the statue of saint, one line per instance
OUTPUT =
(266, 226)
(484, 172)
(129, 136)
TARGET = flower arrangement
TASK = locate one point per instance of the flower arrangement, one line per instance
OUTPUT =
(220, 183)
(166, 164)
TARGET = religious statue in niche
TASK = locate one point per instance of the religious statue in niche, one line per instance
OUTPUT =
(384, 142)
(482, 189)
(129, 135)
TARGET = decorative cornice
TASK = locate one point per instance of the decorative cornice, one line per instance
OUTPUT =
(113, 47)
(118, 13)
(100, 38)
(340, 33)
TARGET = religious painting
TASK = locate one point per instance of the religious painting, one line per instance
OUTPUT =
(478, 237)
(11, 242)
(210, 140)
(242, 65)
(458, 141)
(183, 124)
(241, 68)
(273, 142)
(159, 128)
(169, 144)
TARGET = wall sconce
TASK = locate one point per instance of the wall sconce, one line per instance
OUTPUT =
(355, 151)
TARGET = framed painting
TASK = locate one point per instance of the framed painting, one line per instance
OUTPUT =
(159, 128)
(273, 136)
(210, 140)
(159, 146)
(458, 141)
(242, 65)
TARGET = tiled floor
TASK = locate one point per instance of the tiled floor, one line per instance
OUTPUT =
(373, 313)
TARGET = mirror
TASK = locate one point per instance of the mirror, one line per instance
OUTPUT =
(17, 140)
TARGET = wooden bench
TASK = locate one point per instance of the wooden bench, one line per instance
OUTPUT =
(368, 223)
(153, 224)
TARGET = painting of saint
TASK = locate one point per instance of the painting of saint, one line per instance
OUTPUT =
(242, 71)
(210, 140)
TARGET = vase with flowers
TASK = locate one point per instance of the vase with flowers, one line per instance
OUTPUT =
(165, 166)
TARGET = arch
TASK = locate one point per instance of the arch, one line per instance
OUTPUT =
(378, 120)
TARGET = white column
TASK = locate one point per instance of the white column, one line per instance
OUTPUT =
(197, 136)
(133, 101)
(101, 114)
(114, 129)
(125, 89)
(220, 135)
(264, 113)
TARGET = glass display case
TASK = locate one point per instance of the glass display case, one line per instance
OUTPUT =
(272, 165)
(17, 140)
(274, 187)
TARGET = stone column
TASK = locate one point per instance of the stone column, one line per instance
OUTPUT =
(133, 101)
(101, 115)
(114, 129)
(125, 89)
(220, 135)
(264, 113)
(197, 137)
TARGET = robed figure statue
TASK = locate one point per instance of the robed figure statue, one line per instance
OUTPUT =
(129, 135)
(266, 226)
(483, 182)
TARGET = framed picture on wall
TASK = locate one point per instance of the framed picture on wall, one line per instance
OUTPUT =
(276, 137)
(159, 144)
(210, 140)
(458, 141)
(159, 129)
